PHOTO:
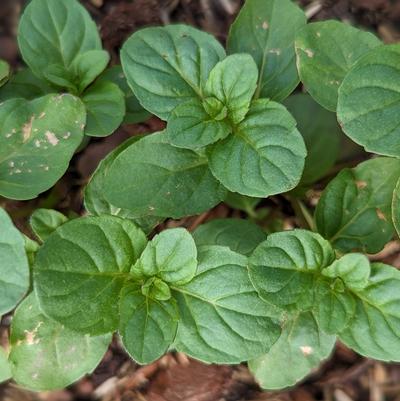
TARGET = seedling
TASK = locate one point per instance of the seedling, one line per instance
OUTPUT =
(228, 292)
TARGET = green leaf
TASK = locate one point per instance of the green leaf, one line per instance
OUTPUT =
(233, 82)
(135, 113)
(222, 319)
(5, 369)
(31, 248)
(105, 106)
(152, 177)
(56, 33)
(4, 72)
(241, 236)
(37, 140)
(300, 349)
(396, 207)
(87, 66)
(375, 332)
(170, 255)
(166, 66)
(322, 135)
(24, 84)
(190, 126)
(354, 212)
(97, 205)
(283, 268)
(353, 268)
(245, 203)
(266, 30)
(148, 326)
(369, 101)
(81, 269)
(45, 355)
(264, 156)
(44, 221)
(326, 51)
(14, 269)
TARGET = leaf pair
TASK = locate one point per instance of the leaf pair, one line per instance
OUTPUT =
(157, 294)
(297, 272)
(348, 70)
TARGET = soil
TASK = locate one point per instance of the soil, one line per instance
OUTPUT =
(346, 376)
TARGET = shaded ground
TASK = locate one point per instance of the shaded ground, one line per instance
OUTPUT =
(346, 377)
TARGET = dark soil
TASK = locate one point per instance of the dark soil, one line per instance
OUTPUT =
(346, 376)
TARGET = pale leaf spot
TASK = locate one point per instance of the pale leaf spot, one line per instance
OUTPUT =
(53, 140)
(265, 25)
(67, 135)
(380, 214)
(37, 143)
(306, 350)
(275, 51)
(27, 129)
(42, 114)
(361, 184)
(309, 53)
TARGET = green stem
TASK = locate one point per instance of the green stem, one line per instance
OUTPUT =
(303, 213)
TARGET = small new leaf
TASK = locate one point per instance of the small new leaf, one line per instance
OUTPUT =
(148, 325)
(170, 256)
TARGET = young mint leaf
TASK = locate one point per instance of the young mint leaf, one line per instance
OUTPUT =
(283, 267)
(148, 325)
(37, 140)
(375, 332)
(152, 177)
(334, 307)
(354, 212)
(266, 30)
(170, 255)
(135, 113)
(87, 66)
(241, 236)
(4, 72)
(233, 82)
(45, 355)
(81, 269)
(24, 84)
(222, 319)
(55, 33)
(44, 221)
(14, 269)
(105, 106)
(369, 101)
(326, 51)
(354, 269)
(166, 66)
(300, 349)
(97, 205)
(396, 207)
(191, 127)
(264, 156)
(321, 132)
(59, 76)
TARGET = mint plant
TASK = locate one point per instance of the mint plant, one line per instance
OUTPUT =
(63, 57)
(234, 290)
